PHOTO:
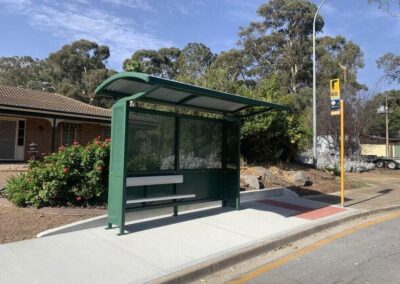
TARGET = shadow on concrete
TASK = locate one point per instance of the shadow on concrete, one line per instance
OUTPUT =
(381, 193)
(268, 205)
(170, 220)
(330, 199)
(303, 191)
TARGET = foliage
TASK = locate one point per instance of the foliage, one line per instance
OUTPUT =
(390, 64)
(376, 122)
(280, 42)
(26, 72)
(272, 62)
(340, 58)
(162, 62)
(77, 68)
(75, 71)
(389, 6)
(75, 175)
(277, 136)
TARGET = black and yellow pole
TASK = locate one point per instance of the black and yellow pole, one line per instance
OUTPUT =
(337, 108)
(342, 152)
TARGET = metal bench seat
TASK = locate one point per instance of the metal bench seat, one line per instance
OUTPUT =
(160, 198)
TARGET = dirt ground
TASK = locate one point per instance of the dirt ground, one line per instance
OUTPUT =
(17, 224)
(4, 176)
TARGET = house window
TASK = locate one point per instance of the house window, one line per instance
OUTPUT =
(69, 133)
(21, 133)
(105, 132)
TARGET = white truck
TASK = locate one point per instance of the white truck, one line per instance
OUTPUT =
(387, 162)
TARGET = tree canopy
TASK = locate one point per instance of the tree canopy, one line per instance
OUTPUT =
(272, 61)
(75, 70)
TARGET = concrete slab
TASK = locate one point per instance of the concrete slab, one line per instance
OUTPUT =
(155, 246)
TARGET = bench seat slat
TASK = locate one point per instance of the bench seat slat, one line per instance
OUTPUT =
(161, 198)
(154, 180)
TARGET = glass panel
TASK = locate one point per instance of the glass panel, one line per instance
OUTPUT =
(200, 144)
(68, 135)
(105, 132)
(21, 132)
(151, 142)
(232, 147)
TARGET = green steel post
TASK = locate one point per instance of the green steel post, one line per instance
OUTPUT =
(223, 163)
(126, 136)
(177, 156)
(238, 165)
(117, 176)
(175, 207)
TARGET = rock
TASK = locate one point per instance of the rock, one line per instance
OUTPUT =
(251, 181)
(299, 178)
(261, 172)
(267, 175)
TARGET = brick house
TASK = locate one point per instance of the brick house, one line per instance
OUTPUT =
(46, 119)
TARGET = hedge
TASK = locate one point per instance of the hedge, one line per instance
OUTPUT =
(75, 175)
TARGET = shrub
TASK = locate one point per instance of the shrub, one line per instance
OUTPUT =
(75, 175)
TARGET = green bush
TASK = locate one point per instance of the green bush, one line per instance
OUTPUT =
(75, 175)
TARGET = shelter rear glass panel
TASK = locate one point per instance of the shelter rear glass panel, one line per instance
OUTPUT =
(200, 144)
(151, 142)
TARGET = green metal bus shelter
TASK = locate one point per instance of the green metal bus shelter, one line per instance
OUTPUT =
(172, 144)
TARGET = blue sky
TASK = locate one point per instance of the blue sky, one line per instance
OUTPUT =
(38, 27)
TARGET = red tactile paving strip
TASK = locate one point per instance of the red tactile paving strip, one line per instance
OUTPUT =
(305, 212)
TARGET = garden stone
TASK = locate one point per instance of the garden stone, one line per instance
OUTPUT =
(299, 178)
(261, 171)
(267, 175)
(251, 181)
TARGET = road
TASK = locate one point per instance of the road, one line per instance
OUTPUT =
(367, 253)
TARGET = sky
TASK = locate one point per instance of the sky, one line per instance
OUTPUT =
(39, 27)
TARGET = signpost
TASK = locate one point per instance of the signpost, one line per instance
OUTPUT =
(337, 108)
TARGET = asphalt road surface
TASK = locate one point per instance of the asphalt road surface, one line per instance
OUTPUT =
(369, 254)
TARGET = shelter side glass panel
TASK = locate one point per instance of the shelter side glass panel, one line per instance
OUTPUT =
(150, 151)
(200, 157)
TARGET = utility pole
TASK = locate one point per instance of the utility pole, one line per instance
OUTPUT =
(315, 90)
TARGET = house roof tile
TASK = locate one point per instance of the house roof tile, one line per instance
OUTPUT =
(37, 100)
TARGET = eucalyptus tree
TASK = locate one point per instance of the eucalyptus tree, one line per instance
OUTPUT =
(77, 68)
(340, 58)
(390, 64)
(25, 72)
(281, 42)
(161, 62)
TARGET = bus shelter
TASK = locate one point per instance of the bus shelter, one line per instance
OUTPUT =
(173, 144)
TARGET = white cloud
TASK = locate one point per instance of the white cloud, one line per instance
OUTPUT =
(16, 5)
(134, 4)
(70, 22)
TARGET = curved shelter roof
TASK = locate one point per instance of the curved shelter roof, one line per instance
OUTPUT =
(146, 88)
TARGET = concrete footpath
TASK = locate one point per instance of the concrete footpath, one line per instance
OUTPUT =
(166, 248)
(384, 194)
